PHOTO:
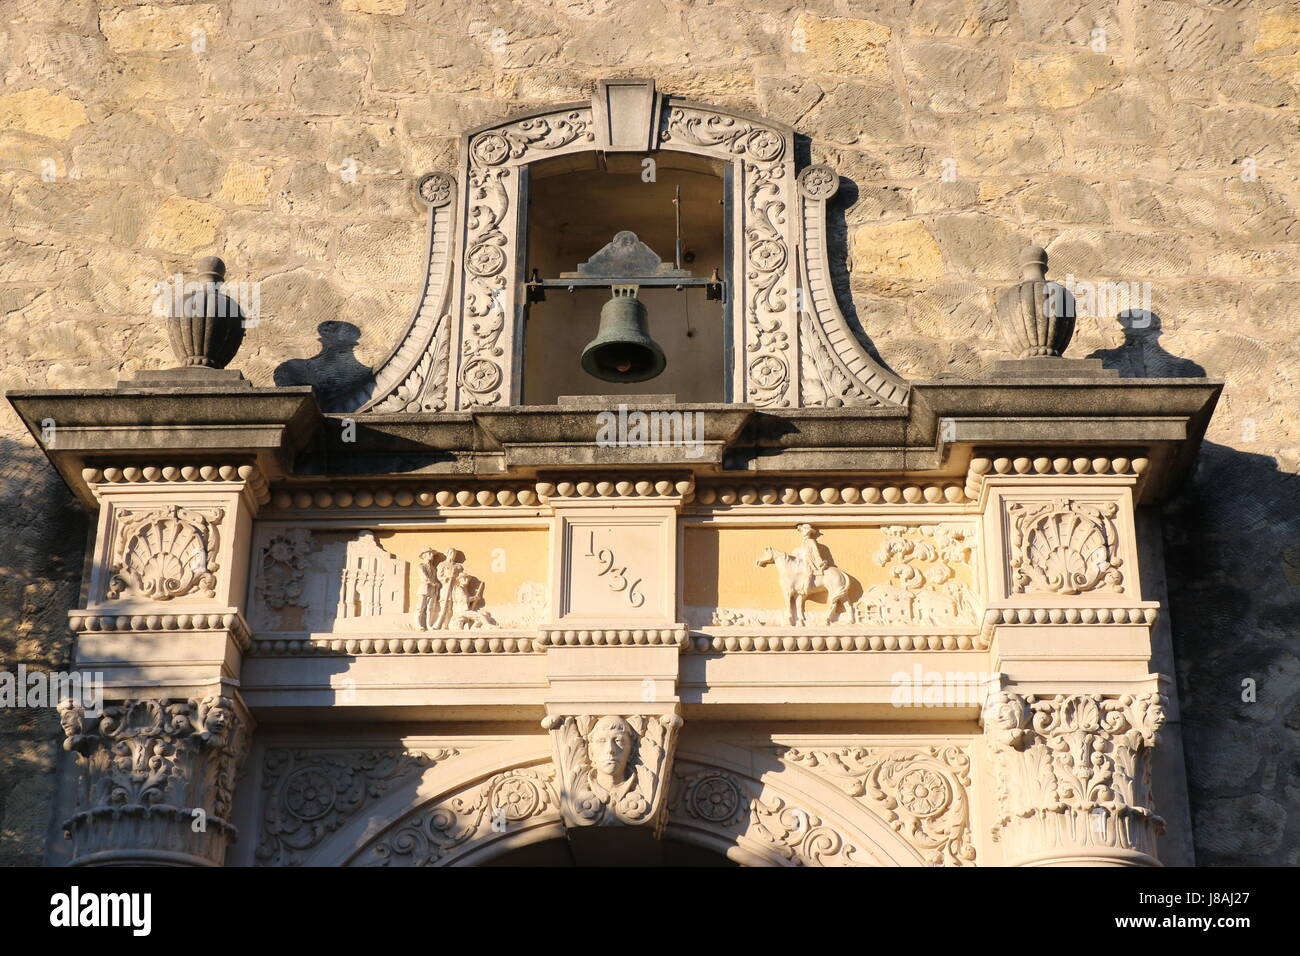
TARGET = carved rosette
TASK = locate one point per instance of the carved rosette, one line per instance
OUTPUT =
(454, 825)
(310, 794)
(437, 189)
(164, 553)
(613, 770)
(1065, 547)
(1074, 775)
(771, 351)
(156, 780)
(921, 793)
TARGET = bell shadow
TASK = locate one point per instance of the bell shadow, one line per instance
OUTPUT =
(1142, 355)
(334, 372)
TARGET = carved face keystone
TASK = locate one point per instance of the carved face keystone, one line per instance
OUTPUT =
(609, 745)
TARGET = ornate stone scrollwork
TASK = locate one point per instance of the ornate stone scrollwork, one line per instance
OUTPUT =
(770, 377)
(922, 563)
(759, 819)
(453, 825)
(613, 769)
(310, 794)
(157, 778)
(1074, 772)
(921, 793)
(819, 182)
(165, 553)
(1065, 547)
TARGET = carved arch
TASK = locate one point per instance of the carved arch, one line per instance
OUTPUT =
(470, 807)
(790, 344)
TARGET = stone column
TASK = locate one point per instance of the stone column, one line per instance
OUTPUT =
(163, 623)
(1074, 778)
(156, 779)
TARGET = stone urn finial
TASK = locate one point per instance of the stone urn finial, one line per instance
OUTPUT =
(209, 328)
(1036, 316)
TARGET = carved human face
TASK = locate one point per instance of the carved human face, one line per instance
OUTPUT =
(609, 745)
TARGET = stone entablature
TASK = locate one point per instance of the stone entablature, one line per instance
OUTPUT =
(952, 570)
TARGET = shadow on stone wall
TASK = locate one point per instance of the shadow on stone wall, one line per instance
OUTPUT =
(1141, 355)
(42, 535)
(1232, 557)
(334, 371)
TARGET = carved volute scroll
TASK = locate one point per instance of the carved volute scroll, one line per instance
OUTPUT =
(790, 344)
(613, 770)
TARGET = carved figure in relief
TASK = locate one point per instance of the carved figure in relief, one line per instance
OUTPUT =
(430, 591)
(811, 571)
(450, 598)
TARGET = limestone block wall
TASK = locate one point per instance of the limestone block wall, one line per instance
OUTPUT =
(1141, 141)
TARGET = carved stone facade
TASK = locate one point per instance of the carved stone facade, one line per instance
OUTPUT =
(727, 642)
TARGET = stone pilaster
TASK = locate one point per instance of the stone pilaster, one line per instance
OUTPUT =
(1074, 778)
(156, 780)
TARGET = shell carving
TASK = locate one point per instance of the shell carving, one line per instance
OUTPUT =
(166, 553)
(1065, 547)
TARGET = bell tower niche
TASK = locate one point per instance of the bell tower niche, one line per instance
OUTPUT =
(609, 231)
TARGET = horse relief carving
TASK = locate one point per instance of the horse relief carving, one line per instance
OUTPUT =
(923, 589)
(811, 571)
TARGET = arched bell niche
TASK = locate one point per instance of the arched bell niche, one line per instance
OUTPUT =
(783, 341)
(577, 204)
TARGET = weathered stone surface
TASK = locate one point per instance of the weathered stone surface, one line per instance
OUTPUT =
(1064, 200)
(156, 28)
(1174, 35)
(41, 113)
(1279, 27)
(854, 113)
(947, 78)
(185, 226)
(1060, 80)
(902, 250)
(847, 47)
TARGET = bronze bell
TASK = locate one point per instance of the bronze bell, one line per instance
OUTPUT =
(622, 351)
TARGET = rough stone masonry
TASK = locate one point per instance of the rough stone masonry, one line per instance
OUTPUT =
(1150, 142)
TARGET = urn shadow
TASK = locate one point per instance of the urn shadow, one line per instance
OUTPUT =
(334, 372)
(1141, 355)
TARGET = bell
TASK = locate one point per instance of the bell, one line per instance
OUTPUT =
(622, 351)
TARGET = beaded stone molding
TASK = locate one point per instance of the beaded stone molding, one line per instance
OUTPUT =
(151, 474)
(982, 468)
(481, 495)
(83, 622)
(702, 643)
(1147, 614)
(713, 495)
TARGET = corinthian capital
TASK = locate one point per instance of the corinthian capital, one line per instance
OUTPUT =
(1074, 776)
(613, 770)
(156, 779)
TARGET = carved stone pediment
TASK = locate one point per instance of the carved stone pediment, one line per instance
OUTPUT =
(613, 769)
(791, 347)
